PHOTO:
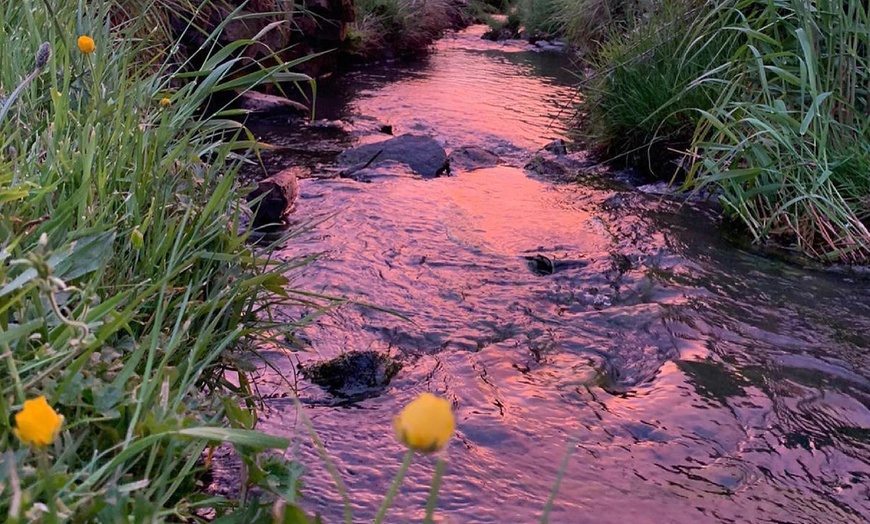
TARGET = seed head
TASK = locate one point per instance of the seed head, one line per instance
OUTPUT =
(42, 55)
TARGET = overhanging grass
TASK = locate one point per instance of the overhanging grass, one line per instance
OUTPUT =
(768, 99)
(643, 97)
(395, 28)
(787, 141)
(124, 281)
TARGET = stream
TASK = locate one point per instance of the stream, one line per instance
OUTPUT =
(691, 380)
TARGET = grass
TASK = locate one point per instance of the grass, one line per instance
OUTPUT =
(643, 96)
(787, 141)
(766, 103)
(397, 28)
(538, 17)
(127, 289)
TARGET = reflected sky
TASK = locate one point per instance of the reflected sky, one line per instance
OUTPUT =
(692, 381)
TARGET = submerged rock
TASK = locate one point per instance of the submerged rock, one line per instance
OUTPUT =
(470, 158)
(425, 156)
(542, 265)
(554, 163)
(281, 191)
(353, 374)
(547, 167)
(386, 169)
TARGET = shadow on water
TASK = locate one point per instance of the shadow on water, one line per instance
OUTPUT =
(696, 382)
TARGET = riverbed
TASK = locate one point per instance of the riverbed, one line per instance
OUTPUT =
(690, 380)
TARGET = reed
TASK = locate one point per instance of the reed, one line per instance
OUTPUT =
(765, 101)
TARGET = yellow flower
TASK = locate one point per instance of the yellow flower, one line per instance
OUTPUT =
(426, 424)
(37, 424)
(86, 44)
(165, 102)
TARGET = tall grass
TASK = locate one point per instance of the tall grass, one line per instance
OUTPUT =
(587, 24)
(768, 102)
(395, 28)
(788, 141)
(643, 97)
(538, 17)
(126, 288)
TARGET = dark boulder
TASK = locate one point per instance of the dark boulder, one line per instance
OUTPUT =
(353, 374)
(425, 156)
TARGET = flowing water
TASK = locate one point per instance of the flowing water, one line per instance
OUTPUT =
(691, 381)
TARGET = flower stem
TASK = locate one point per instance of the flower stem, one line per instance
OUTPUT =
(48, 480)
(433, 491)
(394, 488)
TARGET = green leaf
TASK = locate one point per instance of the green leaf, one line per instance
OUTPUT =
(239, 437)
(88, 255)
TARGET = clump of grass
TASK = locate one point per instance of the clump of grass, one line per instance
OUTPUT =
(767, 100)
(396, 28)
(588, 24)
(126, 288)
(643, 96)
(539, 17)
(787, 140)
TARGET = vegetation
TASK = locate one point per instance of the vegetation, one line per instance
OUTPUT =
(127, 289)
(763, 101)
(788, 140)
(395, 28)
(642, 110)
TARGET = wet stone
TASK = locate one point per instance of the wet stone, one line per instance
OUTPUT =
(256, 102)
(278, 195)
(470, 158)
(354, 374)
(546, 167)
(557, 147)
(424, 154)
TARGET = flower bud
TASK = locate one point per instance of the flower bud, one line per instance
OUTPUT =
(86, 44)
(137, 239)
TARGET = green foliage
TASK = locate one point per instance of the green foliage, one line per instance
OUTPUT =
(586, 24)
(787, 141)
(771, 99)
(124, 281)
(643, 97)
(387, 28)
(589, 24)
(539, 16)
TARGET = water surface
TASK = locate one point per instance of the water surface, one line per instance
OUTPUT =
(692, 381)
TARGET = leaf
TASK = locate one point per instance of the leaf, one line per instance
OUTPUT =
(814, 109)
(238, 417)
(88, 255)
(239, 437)
(19, 331)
